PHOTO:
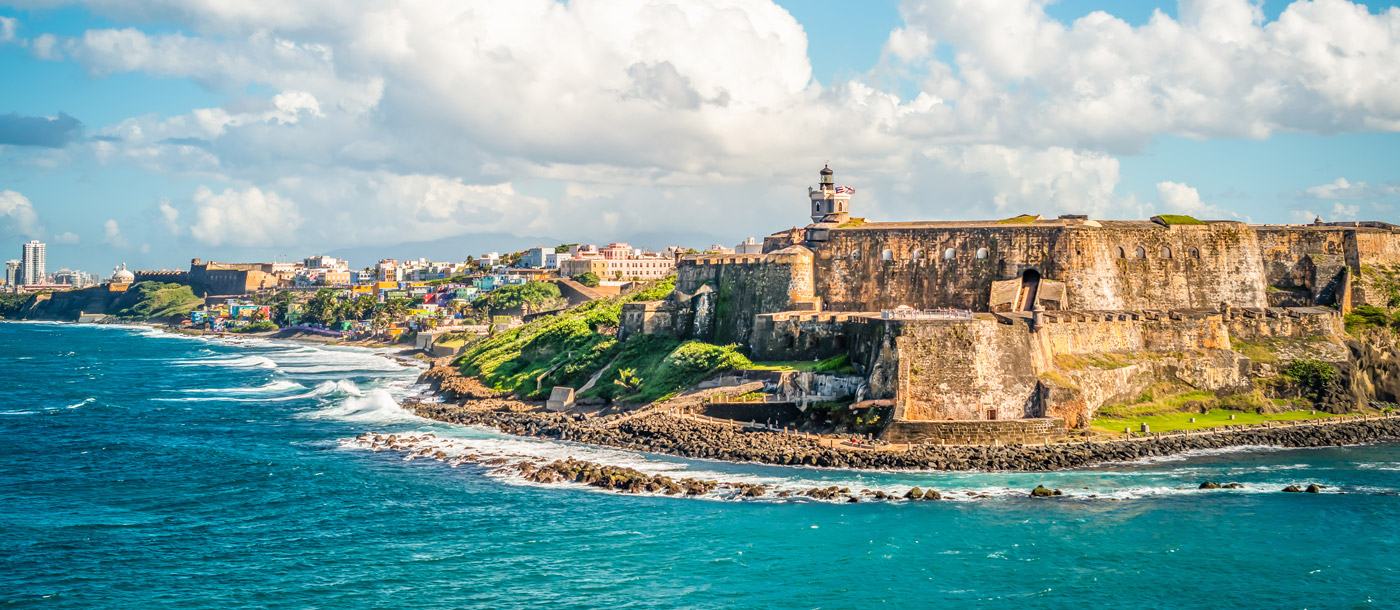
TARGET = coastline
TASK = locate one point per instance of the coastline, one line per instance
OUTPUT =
(467, 402)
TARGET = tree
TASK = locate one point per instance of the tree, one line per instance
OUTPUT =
(587, 278)
(537, 296)
(323, 309)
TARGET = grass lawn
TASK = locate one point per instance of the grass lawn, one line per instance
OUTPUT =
(1171, 422)
(835, 364)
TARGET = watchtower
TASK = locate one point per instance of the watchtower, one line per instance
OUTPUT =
(830, 203)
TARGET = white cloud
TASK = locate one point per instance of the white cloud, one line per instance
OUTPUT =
(46, 47)
(395, 121)
(18, 215)
(112, 234)
(1341, 188)
(1179, 198)
(67, 237)
(1340, 213)
(243, 218)
(8, 27)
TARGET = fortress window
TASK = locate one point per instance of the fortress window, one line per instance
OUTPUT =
(981, 253)
(1122, 253)
(1141, 252)
(918, 254)
(1166, 252)
(1195, 253)
(887, 254)
(855, 255)
(949, 254)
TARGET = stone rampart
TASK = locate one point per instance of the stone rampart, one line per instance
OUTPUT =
(1003, 432)
(1118, 265)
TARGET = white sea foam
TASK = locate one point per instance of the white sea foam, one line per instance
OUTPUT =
(325, 388)
(374, 406)
(261, 362)
(271, 387)
(84, 403)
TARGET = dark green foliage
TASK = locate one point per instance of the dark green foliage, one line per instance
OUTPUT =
(587, 278)
(538, 296)
(256, 327)
(1315, 375)
(10, 304)
(575, 344)
(156, 300)
(1367, 316)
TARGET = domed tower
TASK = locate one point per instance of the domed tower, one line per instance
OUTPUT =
(830, 203)
(122, 276)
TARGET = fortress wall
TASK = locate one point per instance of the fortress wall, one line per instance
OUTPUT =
(1303, 261)
(1181, 267)
(852, 276)
(1226, 266)
(962, 370)
(800, 336)
(746, 286)
(1135, 332)
(1286, 325)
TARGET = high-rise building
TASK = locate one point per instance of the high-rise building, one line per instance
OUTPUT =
(11, 272)
(33, 270)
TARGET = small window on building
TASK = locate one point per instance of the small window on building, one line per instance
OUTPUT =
(887, 254)
(1195, 253)
(1141, 252)
(1122, 253)
(855, 255)
(1166, 252)
(918, 254)
(949, 254)
(981, 253)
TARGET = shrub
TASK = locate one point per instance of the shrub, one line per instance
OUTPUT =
(1314, 375)
(1367, 316)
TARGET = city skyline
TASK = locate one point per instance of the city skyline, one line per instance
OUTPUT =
(156, 132)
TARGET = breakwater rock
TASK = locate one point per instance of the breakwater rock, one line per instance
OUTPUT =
(602, 476)
(663, 433)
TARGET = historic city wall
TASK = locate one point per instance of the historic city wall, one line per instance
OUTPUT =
(744, 287)
(1005, 432)
(1120, 265)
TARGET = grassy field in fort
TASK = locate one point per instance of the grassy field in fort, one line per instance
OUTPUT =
(1181, 420)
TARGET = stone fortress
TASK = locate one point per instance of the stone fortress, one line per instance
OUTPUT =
(1024, 326)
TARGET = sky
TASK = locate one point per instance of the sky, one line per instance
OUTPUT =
(157, 131)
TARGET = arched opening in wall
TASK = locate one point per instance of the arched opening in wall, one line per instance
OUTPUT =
(1166, 252)
(887, 254)
(855, 255)
(949, 254)
(918, 254)
(790, 342)
(813, 342)
(982, 253)
(1141, 252)
(1030, 285)
(1122, 253)
(839, 342)
(1195, 253)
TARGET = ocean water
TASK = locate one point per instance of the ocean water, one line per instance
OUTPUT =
(146, 470)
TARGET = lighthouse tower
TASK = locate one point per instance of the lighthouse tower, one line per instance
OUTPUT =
(830, 203)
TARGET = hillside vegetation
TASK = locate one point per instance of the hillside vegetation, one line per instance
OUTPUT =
(569, 348)
(154, 300)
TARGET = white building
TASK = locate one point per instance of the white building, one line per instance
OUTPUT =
(12, 272)
(34, 267)
(749, 246)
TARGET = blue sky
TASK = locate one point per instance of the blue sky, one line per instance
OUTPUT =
(159, 131)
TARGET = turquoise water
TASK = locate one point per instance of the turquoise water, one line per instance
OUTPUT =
(142, 470)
